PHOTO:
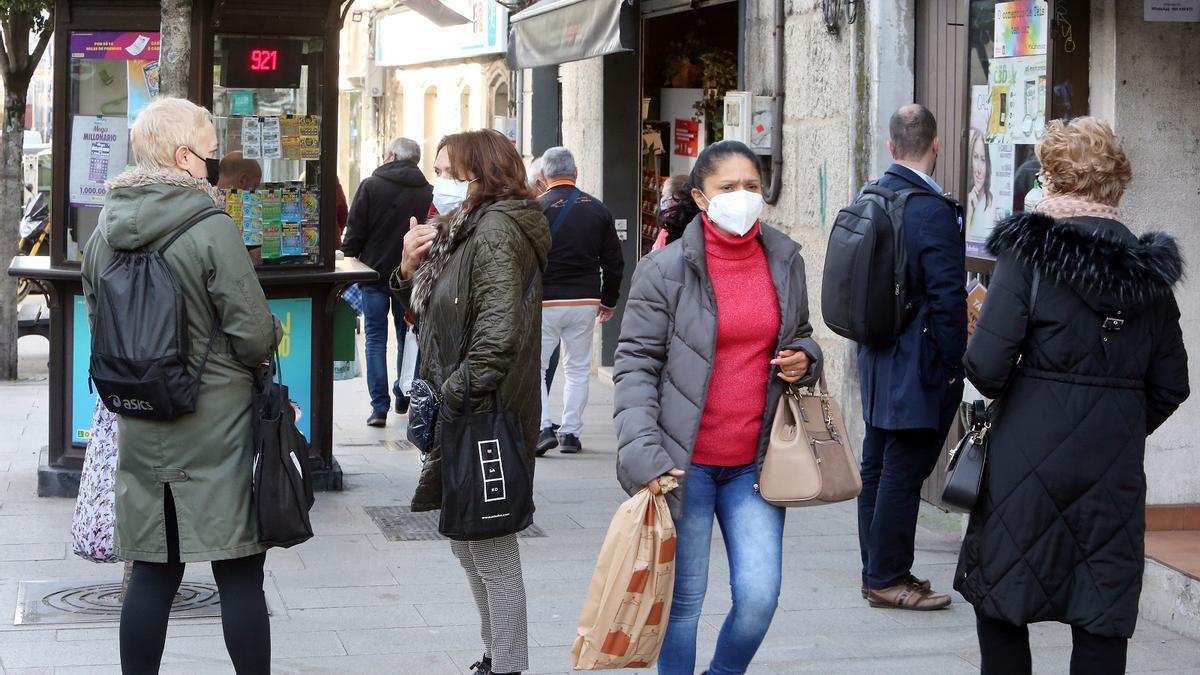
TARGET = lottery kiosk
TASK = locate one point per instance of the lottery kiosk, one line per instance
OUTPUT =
(268, 72)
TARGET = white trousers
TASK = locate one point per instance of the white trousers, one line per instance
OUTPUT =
(573, 328)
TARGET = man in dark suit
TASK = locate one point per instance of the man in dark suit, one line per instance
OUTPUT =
(911, 390)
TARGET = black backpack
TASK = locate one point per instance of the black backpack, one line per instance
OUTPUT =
(864, 293)
(140, 341)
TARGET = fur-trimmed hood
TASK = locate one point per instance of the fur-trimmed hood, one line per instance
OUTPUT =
(1100, 259)
(141, 206)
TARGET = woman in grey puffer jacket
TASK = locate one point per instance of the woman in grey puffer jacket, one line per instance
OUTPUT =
(715, 329)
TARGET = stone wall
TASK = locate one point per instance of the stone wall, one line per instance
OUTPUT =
(583, 120)
(1144, 80)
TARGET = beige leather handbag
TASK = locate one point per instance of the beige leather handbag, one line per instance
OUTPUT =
(809, 461)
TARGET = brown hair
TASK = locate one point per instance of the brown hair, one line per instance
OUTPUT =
(1084, 158)
(488, 155)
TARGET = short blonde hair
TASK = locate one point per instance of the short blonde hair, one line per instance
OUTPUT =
(1084, 158)
(163, 127)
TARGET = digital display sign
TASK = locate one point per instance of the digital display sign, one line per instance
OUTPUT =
(261, 63)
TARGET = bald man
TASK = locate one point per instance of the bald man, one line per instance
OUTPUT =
(239, 173)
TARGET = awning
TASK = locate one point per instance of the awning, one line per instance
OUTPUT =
(558, 31)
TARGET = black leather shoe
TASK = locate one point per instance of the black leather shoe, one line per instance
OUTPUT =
(570, 444)
(547, 441)
(377, 420)
(401, 406)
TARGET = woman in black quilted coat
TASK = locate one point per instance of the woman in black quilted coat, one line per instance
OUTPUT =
(1094, 366)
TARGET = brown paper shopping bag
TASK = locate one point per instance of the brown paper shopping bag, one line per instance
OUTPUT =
(625, 615)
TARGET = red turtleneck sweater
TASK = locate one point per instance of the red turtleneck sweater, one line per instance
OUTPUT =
(747, 329)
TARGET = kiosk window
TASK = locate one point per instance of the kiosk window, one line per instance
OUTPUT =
(113, 76)
(268, 118)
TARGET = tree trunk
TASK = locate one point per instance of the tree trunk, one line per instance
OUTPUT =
(175, 51)
(12, 143)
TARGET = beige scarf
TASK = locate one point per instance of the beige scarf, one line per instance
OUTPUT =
(1074, 206)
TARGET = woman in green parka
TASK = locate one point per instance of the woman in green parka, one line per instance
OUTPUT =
(183, 486)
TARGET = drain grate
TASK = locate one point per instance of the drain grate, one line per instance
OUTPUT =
(65, 602)
(398, 523)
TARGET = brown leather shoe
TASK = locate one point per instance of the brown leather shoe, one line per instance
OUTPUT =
(916, 582)
(906, 596)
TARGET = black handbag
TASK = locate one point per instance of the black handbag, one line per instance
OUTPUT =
(486, 487)
(281, 489)
(424, 404)
(968, 460)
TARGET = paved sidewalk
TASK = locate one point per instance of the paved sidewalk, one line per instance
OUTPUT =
(350, 601)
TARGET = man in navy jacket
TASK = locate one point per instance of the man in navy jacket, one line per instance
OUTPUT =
(911, 390)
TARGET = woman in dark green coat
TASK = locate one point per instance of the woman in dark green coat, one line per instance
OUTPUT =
(472, 280)
(183, 486)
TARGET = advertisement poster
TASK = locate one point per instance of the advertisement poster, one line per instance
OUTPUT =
(99, 147)
(407, 38)
(143, 86)
(295, 362)
(981, 107)
(1171, 10)
(687, 138)
(241, 103)
(994, 201)
(295, 355)
(83, 402)
(115, 45)
(1021, 28)
(1017, 96)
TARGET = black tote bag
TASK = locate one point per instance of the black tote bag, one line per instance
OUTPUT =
(486, 488)
(282, 483)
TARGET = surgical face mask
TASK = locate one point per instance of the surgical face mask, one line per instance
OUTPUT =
(735, 212)
(211, 165)
(449, 194)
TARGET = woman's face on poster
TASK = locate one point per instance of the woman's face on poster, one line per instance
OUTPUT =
(979, 162)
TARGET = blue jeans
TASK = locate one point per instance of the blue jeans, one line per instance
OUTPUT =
(753, 532)
(377, 302)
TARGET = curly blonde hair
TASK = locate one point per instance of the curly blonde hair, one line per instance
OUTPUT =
(1084, 158)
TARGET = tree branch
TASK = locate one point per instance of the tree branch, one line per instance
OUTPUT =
(40, 50)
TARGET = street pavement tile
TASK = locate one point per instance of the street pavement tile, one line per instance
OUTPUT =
(941, 664)
(411, 640)
(349, 618)
(398, 663)
(343, 576)
(32, 552)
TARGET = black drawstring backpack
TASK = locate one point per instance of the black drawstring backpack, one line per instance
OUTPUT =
(282, 483)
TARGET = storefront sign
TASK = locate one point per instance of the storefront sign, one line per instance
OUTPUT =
(406, 37)
(1021, 28)
(121, 46)
(99, 146)
(295, 360)
(687, 138)
(1172, 10)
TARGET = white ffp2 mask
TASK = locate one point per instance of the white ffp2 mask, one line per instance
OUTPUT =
(449, 194)
(735, 212)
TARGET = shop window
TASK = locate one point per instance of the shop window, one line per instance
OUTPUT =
(500, 100)
(112, 77)
(268, 116)
(1027, 64)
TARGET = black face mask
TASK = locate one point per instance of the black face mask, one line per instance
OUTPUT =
(213, 166)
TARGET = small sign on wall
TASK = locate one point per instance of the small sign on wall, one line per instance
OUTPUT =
(1172, 10)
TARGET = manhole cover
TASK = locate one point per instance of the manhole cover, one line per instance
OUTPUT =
(398, 523)
(54, 602)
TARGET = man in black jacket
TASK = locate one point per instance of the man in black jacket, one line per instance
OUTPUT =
(582, 283)
(379, 218)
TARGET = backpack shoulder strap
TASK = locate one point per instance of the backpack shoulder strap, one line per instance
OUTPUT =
(189, 224)
(576, 193)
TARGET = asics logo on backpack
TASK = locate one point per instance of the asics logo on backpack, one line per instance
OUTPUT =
(116, 402)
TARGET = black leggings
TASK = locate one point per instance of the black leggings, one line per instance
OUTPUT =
(1005, 650)
(152, 589)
